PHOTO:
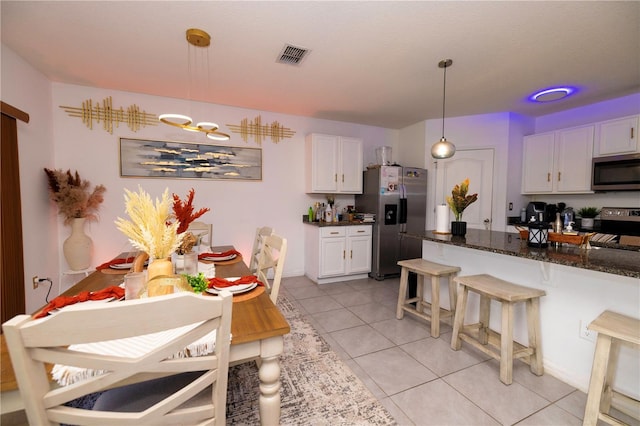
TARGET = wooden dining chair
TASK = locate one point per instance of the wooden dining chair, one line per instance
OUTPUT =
(134, 349)
(271, 264)
(203, 231)
(261, 233)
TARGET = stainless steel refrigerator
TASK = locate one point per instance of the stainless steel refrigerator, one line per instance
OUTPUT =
(398, 197)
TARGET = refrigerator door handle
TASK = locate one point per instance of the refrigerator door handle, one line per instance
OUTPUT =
(402, 214)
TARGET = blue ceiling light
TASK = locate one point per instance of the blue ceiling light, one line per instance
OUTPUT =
(552, 94)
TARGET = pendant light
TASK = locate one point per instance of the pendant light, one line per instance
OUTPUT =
(199, 39)
(443, 148)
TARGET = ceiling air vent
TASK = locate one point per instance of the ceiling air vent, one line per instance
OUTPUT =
(292, 55)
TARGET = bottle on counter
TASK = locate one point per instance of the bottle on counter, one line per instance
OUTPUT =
(317, 216)
(311, 214)
(328, 214)
(558, 224)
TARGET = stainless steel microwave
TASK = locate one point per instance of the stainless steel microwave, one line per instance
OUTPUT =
(616, 173)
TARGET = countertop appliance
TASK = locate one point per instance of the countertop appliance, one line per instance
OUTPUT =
(398, 197)
(623, 222)
(616, 173)
(534, 208)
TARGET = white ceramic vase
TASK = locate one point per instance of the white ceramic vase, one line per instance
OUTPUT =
(78, 247)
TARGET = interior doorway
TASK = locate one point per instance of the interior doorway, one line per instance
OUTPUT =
(12, 261)
(477, 165)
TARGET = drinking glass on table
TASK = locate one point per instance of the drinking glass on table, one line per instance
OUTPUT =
(134, 285)
(190, 263)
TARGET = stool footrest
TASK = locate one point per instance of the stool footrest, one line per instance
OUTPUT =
(444, 313)
(469, 334)
(625, 404)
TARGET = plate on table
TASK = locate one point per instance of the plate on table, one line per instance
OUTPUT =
(121, 265)
(234, 289)
(220, 258)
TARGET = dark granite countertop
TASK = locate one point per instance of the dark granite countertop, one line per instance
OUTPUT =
(305, 219)
(612, 261)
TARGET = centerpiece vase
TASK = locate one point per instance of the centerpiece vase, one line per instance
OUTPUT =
(458, 228)
(77, 248)
(159, 267)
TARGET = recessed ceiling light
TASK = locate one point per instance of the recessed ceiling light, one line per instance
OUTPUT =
(552, 94)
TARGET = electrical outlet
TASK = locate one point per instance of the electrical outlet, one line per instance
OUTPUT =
(585, 333)
(36, 282)
(510, 206)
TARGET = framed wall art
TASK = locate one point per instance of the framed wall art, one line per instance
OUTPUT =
(186, 160)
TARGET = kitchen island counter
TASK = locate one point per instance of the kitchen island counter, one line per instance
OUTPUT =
(608, 260)
(579, 284)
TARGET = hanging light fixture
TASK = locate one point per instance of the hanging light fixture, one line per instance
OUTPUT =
(443, 148)
(199, 39)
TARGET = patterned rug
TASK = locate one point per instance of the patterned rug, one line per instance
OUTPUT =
(317, 387)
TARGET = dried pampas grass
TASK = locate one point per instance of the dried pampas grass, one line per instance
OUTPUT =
(148, 229)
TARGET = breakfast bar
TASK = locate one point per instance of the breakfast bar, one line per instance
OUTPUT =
(579, 283)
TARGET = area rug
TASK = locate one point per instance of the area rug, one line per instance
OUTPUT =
(317, 387)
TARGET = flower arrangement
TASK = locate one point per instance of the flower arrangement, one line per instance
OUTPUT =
(73, 196)
(459, 200)
(148, 229)
(183, 212)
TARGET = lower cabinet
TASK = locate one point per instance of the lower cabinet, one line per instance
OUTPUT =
(337, 253)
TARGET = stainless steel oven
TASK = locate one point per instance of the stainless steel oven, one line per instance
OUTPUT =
(616, 173)
(621, 222)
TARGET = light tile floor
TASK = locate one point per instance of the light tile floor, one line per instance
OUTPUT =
(420, 379)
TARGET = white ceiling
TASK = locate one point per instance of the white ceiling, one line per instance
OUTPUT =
(373, 63)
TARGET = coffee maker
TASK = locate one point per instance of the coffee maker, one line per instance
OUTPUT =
(534, 209)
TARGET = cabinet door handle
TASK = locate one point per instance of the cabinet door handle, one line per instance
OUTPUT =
(343, 178)
(632, 133)
(559, 176)
(548, 177)
(360, 231)
(334, 233)
(344, 254)
(335, 178)
(351, 255)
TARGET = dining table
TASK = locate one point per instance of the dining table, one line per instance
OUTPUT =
(257, 329)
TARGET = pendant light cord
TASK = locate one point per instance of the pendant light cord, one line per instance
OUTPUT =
(444, 96)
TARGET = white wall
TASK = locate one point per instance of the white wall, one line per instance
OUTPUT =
(53, 139)
(412, 147)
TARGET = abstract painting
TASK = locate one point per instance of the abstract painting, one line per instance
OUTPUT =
(185, 160)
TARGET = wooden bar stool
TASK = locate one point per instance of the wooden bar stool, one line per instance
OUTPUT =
(435, 270)
(499, 345)
(613, 329)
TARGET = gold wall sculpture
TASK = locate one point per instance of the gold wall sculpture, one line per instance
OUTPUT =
(108, 116)
(259, 131)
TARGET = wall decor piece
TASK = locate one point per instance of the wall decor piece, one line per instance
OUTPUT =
(108, 116)
(259, 131)
(187, 160)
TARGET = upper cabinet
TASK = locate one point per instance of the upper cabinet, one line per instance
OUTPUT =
(616, 137)
(558, 162)
(334, 164)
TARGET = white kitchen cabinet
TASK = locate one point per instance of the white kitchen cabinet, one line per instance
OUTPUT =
(617, 137)
(334, 164)
(337, 253)
(558, 162)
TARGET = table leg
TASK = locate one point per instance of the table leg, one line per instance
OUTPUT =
(269, 374)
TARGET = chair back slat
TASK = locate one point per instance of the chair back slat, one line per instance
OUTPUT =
(126, 343)
(261, 234)
(270, 264)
